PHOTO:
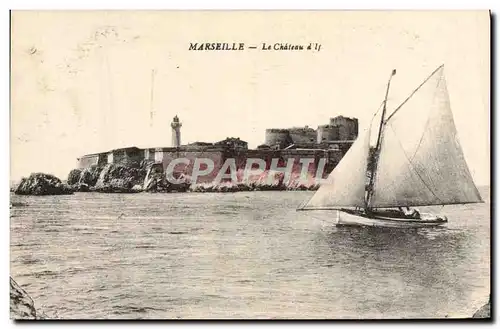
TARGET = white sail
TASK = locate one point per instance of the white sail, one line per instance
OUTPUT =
(421, 161)
(345, 186)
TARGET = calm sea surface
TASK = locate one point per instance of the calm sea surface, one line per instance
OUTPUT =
(240, 255)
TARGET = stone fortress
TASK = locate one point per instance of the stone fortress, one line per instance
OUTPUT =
(339, 134)
(327, 143)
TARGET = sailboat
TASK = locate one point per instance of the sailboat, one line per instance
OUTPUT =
(417, 161)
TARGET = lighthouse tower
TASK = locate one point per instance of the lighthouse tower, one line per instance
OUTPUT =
(176, 132)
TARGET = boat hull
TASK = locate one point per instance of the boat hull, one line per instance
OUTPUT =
(353, 219)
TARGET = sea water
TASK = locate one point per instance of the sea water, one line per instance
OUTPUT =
(241, 255)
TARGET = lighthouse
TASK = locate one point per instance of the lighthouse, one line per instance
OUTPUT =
(176, 132)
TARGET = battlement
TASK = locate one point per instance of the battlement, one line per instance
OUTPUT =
(339, 128)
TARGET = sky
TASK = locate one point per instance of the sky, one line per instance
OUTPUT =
(85, 82)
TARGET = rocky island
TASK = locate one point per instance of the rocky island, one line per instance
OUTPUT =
(291, 159)
(302, 155)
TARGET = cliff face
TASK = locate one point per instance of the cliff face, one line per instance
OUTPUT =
(89, 176)
(155, 180)
(82, 180)
(148, 176)
(119, 179)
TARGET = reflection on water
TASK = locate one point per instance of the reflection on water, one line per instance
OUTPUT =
(241, 255)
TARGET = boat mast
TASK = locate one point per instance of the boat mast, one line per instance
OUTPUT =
(375, 155)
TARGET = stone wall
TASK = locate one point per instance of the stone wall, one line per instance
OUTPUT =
(278, 138)
(327, 133)
(131, 156)
(331, 159)
(88, 161)
(214, 154)
(303, 135)
(348, 127)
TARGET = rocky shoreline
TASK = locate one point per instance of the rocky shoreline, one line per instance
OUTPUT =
(150, 177)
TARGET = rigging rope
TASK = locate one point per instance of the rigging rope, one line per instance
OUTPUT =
(411, 95)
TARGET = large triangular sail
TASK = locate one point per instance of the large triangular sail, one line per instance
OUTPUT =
(345, 186)
(421, 161)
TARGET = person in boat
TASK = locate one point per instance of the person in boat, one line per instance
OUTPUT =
(412, 213)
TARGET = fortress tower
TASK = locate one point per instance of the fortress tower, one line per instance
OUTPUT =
(176, 132)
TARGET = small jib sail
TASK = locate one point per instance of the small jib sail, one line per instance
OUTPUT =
(420, 161)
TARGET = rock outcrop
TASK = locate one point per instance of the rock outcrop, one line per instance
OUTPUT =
(74, 176)
(83, 180)
(90, 176)
(42, 184)
(148, 176)
(21, 304)
(155, 180)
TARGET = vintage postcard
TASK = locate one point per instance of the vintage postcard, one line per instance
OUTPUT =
(250, 165)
